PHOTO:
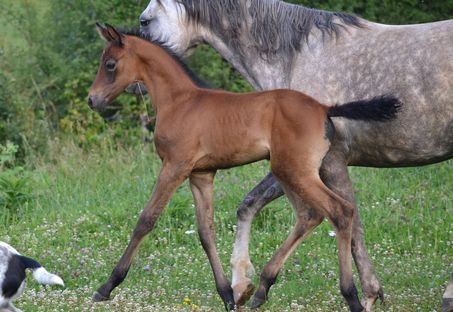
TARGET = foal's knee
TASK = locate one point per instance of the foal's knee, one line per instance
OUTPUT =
(144, 225)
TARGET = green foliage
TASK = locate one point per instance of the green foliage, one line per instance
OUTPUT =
(7, 155)
(216, 71)
(14, 187)
(50, 57)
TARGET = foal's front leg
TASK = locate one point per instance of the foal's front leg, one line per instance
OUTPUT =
(170, 178)
(202, 190)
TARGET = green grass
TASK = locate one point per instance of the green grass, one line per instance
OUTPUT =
(85, 206)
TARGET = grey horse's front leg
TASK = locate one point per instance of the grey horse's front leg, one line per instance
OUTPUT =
(265, 192)
(447, 302)
(334, 173)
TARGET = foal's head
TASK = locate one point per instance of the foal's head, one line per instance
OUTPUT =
(118, 69)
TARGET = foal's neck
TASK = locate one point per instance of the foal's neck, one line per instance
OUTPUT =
(162, 74)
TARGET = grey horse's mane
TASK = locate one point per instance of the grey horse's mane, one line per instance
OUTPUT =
(278, 27)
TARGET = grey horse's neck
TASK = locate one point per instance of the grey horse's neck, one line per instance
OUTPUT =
(272, 35)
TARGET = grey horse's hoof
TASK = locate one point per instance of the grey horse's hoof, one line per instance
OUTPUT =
(230, 306)
(242, 296)
(97, 297)
(447, 305)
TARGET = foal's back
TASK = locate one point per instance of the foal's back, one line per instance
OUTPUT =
(234, 129)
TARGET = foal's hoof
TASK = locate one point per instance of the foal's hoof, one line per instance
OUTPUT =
(257, 302)
(97, 297)
(243, 293)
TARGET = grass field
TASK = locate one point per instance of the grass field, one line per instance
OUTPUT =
(84, 207)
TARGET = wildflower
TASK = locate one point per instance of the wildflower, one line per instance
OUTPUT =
(195, 307)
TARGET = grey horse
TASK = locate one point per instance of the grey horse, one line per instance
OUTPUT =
(336, 58)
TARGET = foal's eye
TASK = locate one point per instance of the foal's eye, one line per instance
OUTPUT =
(110, 65)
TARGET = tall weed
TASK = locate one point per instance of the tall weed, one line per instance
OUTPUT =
(15, 192)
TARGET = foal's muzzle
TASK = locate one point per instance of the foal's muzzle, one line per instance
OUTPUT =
(90, 102)
(96, 103)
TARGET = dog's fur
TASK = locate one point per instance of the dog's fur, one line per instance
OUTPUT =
(12, 276)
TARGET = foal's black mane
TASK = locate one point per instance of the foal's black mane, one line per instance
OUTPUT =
(196, 80)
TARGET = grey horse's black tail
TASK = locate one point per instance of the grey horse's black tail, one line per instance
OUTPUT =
(380, 108)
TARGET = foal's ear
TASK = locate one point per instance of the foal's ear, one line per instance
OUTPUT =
(109, 33)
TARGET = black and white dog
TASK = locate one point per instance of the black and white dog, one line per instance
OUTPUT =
(12, 276)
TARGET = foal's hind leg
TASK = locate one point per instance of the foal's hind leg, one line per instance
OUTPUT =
(202, 188)
(334, 174)
(241, 266)
(306, 221)
(168, 181)
(325, 202)
(340, 214)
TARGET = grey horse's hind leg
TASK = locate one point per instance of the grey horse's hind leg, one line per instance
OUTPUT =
(447, 302)
(334, 173)
(265, 192)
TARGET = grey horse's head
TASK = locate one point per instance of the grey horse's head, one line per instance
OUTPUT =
(166, 21)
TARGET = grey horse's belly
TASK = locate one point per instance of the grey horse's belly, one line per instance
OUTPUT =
(399, 143)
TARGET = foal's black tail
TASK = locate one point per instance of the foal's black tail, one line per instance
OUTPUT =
(380, 108)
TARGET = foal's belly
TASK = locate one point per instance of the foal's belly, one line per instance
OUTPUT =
(232, 154)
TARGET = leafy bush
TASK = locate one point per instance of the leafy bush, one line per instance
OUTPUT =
(14, 187)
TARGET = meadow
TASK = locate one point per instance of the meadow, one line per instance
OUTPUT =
(72, 185)
(81, 206)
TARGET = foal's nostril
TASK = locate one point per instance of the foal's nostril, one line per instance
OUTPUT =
(90, 102)
(144, 22)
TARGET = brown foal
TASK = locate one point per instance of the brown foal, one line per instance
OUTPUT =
(199, 131)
